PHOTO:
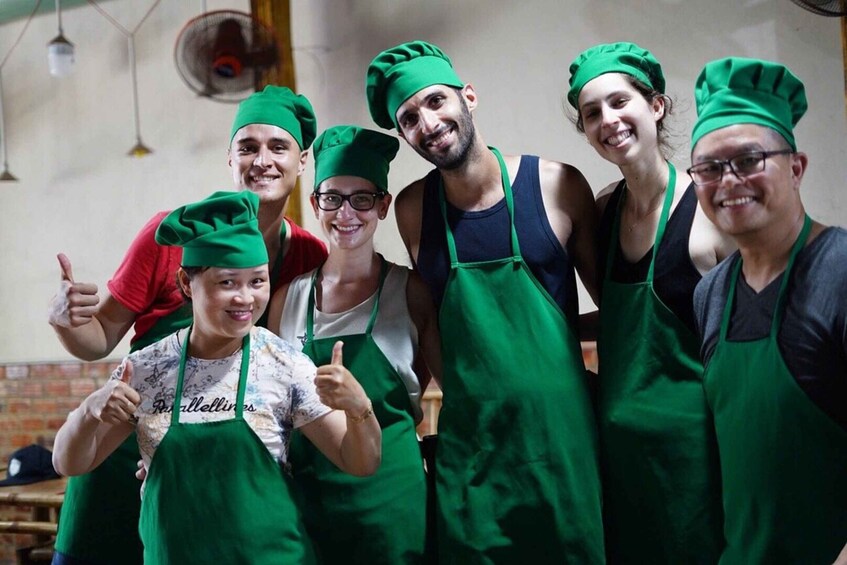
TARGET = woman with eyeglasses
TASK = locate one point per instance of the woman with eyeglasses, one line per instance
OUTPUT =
(658, 453)
(384, 315)
(214, 406)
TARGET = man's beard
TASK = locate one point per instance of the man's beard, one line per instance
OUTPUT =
(458, 154)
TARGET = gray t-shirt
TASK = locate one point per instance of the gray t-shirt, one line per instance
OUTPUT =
(813, 334)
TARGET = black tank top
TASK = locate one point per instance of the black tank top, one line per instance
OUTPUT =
(484, 235)
(675, 275)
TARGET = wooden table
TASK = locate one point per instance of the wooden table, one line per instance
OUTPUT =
(45, 498)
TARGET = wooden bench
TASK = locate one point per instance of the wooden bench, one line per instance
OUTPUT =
(45, 499)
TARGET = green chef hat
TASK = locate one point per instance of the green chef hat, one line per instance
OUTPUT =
(219, 231)
(278, 106)
(622, 57)
(354, 151)
(736, 90)
(398, 73)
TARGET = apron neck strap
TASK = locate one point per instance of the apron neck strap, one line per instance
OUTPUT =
(310, 308)
(779, 311)
(660, 229)
(242, 378)
(507, 189)
(383, 272)
(277, 266)
(799, 243)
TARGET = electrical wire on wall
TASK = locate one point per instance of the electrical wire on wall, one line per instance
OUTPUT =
(139, 149)
(6, 175)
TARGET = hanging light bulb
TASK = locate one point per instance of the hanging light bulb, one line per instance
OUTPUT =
(139, 149)
(60, 51)
(60, 56)
(6, 176)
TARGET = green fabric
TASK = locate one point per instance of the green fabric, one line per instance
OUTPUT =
(661, 480)
(381, 519)
(397, 73)
(165, 326)
(623, 57)
(354, 151)
(517, 477)
(221, 230)
(278, 106)
(275, 270)
(214, 494)
(99, 517)
(736, 90)
(782, 458)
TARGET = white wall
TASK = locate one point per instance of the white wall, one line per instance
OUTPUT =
(79, 194)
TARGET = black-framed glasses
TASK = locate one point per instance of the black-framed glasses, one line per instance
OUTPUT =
(362, 201)
(741, 165)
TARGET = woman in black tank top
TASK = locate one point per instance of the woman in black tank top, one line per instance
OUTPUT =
(661, 479)
(624, 120)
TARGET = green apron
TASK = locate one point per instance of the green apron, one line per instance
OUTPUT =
(517, 477)
(783, 460)
(99, 517)
(214, 494)
(97, 525)
(379, 519)
(661, 480)
(275, 271)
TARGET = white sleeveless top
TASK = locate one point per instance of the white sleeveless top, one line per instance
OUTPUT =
(394, 332)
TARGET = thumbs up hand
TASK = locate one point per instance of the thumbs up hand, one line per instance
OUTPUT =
(75, 303)
(116, 401)
(338, 388)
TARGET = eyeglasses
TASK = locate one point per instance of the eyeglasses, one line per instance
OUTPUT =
(742, 165)
(362, 201)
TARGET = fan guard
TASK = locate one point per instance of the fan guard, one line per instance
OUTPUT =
(833, 8)
(222, 54)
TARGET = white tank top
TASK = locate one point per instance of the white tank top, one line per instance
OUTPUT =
(394, 332)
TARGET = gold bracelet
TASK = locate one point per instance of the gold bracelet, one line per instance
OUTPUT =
(365, 415)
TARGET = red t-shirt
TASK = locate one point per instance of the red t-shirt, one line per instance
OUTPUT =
(145, 282)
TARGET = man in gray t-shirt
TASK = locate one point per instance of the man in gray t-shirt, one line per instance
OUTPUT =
(772, 317)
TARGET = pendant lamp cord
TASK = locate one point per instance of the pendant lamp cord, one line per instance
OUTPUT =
(3, 64)
(130, 37)
(20, 35)
(59, 16)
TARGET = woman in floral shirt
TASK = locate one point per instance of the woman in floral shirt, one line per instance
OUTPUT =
(214, 406)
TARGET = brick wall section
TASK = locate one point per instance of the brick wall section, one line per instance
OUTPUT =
(35, 400)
